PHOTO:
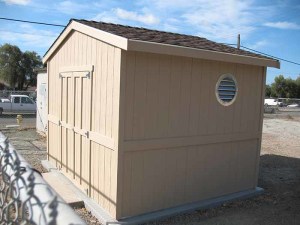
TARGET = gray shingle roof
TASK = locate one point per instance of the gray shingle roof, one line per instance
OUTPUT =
(143, 34)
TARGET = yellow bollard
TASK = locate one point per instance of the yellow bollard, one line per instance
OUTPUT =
(19, 119)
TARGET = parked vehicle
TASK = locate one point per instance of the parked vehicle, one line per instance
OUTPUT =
(293, 105)
(272, 102)
(4, 100)
(18, 103)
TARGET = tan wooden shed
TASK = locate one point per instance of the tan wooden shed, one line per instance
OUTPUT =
(145, 120)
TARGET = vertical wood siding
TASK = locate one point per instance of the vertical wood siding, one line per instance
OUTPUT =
(87, 104)
(175, 97)
(180, 144)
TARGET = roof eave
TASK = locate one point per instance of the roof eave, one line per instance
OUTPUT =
(159, 48)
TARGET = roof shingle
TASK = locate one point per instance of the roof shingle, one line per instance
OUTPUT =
(143, 34)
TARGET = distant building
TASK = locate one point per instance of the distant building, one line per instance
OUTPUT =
(41, 101)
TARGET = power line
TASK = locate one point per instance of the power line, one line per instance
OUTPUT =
(34, 22)
(262, 53)
(58, 25)
(285, 60)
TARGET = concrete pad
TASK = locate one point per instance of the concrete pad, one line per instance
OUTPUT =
(63, 189)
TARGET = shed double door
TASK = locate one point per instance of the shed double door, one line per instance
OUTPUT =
(75, 123)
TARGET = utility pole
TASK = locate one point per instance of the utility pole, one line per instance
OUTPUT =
(238, 41)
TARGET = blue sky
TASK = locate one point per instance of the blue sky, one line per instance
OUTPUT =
(269, 26)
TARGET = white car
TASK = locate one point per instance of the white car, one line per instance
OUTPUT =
(271, 102)
(293, 105)
(4, 100)
(18, 103)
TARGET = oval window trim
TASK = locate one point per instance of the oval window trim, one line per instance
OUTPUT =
(222, 78)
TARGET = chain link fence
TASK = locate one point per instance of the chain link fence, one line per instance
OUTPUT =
(8, 93)
(25, 198)
(286, 102)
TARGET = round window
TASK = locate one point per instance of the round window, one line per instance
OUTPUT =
(226, 89)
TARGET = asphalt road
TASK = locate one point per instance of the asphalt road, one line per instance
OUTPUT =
(29, 120)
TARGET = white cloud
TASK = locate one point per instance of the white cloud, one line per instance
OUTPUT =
(29, 36)
(257, 45)
(283, 25)
(17, 2)
(220, 20)
(167, 4)
(70, 7)
(108, 17)
(145, 18)
(118, 15)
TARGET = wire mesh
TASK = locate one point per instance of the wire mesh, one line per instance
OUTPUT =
(25, 198)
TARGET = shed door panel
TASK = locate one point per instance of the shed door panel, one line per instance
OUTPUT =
(75, 124)
(78, 104)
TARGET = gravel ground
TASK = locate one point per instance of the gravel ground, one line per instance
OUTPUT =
(29, 120)
(279, 176)
(29, 144)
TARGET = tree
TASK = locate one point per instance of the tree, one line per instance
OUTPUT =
(279, 86)
(297, 81)
(268, 91)
(10, 64)
(30, 61)
(285, 87)
(291, 88)
(17, 68)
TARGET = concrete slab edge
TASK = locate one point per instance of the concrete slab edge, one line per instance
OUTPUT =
(95, 209)
(89, 204)
(105, 218)
(205, 204)
(48, 165)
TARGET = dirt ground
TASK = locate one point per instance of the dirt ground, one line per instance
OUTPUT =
(279, 176)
